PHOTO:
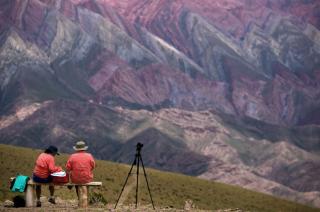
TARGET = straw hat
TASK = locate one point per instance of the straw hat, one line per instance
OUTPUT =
(80, 145)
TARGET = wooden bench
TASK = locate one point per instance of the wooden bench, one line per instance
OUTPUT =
(83, 191)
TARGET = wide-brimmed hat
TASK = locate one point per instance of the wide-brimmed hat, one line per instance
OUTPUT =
(80, 145)
(52, 150)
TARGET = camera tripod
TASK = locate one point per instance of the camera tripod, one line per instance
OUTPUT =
(136, 162)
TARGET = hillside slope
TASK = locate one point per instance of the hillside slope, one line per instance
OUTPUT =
(168, 189)
(227, 91)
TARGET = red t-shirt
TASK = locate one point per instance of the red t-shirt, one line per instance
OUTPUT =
(80, 166)
(45, 166)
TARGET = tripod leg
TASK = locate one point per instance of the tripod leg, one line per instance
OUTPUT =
(145, 176)
(137, 181)
(134, 162)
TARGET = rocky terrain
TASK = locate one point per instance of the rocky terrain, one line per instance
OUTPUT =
(224, 90)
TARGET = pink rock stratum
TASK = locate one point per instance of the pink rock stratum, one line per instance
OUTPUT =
(224, 90)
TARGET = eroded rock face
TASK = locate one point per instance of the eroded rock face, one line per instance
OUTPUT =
(270, 41)
(182, 36)
(227, 90)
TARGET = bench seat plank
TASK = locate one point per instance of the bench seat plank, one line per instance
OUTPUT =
(31, 182)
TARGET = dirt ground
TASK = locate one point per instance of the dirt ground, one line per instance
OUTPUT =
(72, 205)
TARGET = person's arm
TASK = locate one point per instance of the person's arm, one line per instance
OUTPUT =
(92, 163)
(68, 165)
(52, 167)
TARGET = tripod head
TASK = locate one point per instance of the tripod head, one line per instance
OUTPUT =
(139, 147)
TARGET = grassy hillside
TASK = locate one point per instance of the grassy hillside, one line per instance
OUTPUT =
(168, 189)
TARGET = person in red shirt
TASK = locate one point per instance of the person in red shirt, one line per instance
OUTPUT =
(45, 165)
(80, 165)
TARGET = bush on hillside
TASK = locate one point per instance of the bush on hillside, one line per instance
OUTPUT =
(97, 198)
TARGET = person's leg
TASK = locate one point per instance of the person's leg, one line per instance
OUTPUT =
(51, 189)
(38, 191)
(38, 188)
(51, 198)
(77, 190)
(38, 194)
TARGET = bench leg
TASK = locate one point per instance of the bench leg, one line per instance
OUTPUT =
(29, 196)
(83, 196)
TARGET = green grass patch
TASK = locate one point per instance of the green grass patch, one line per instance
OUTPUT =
(167, 189)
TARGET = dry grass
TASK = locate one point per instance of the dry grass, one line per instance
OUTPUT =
(169, 191)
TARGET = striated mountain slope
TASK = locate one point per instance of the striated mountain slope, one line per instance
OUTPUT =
(268, 45)
(274, 99)
(258, 23)
(225, 91)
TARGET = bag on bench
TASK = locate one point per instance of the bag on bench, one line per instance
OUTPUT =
(60, 178)
(18, 184)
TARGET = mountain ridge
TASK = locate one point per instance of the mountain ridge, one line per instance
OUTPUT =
(235, 97)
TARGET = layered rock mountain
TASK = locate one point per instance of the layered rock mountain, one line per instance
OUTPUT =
(224, 90)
